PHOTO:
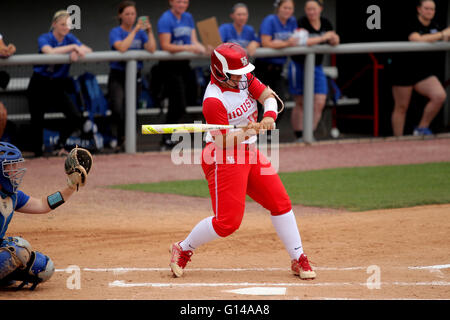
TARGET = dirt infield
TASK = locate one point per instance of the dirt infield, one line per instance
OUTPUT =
(120, 239)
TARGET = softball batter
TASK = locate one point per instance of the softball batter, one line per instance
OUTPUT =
(233, 165)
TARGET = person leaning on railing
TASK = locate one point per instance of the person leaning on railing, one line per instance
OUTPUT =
(176, 31)
(49, 85)
(418, 71)
(313, 29)
(276, 32)
(5, 52)
(129, 35)
(239, 31)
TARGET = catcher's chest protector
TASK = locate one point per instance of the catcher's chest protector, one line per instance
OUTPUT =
(6, 212)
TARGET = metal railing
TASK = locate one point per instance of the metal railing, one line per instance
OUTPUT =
(131, 58)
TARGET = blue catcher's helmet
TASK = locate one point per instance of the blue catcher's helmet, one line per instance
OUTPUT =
(11, 172)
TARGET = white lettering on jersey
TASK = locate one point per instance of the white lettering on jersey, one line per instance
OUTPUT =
(182, 31)
(241, 107)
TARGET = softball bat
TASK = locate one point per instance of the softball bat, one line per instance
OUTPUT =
(185, 127)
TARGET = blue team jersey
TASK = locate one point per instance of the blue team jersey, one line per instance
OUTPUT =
(228, 33)
(273, 27)
(180, 30)
(8, 204)
(54, 70)
(118, 34)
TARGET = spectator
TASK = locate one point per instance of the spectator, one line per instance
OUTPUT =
(129, 35)
(239, 31)
(276, 32)
(6, 50)
(417, 71)
(176, 31)
(50, 84)
(314, 29)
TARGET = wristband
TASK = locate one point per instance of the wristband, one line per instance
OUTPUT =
(271, 108)
(55, 200)
(270, 104)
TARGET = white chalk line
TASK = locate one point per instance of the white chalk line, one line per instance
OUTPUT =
(438, 267)
(120, 270)
(123, 284)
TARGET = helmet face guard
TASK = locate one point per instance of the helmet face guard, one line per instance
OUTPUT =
(14, 172)
(231, 59)
(12, 167)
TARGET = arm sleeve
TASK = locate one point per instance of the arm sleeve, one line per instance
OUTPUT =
(215, 113)
(328, 26)
(191, 20)
(164, 25)
(114, 36)
(256, 87)
(266, 27)
(22, 199)
(409, 28)
(43, 41)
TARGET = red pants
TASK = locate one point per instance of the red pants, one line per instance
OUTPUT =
(229, 183)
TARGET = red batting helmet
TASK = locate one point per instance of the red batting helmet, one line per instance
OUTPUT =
(229, 58)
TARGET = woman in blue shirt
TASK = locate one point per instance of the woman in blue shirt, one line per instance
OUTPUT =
(176, 31)
(49, 85)
(276, 32)
(129, 35)
(239, 31)
(317, 30)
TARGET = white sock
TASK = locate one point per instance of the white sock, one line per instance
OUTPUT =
(202, 233)
(286, 227)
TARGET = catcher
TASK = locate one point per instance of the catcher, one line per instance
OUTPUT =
(18, 261)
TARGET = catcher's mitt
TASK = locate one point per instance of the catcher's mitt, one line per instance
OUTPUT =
(77, 166)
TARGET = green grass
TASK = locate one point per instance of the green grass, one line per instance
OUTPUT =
(355, 189)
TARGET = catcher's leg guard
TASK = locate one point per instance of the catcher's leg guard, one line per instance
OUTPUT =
(15, 252)
(19, 263)
(39, 269)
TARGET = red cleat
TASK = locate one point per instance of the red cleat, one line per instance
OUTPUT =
(302, 268)
(179, 259)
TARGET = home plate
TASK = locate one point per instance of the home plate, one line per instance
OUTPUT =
(260, 291)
